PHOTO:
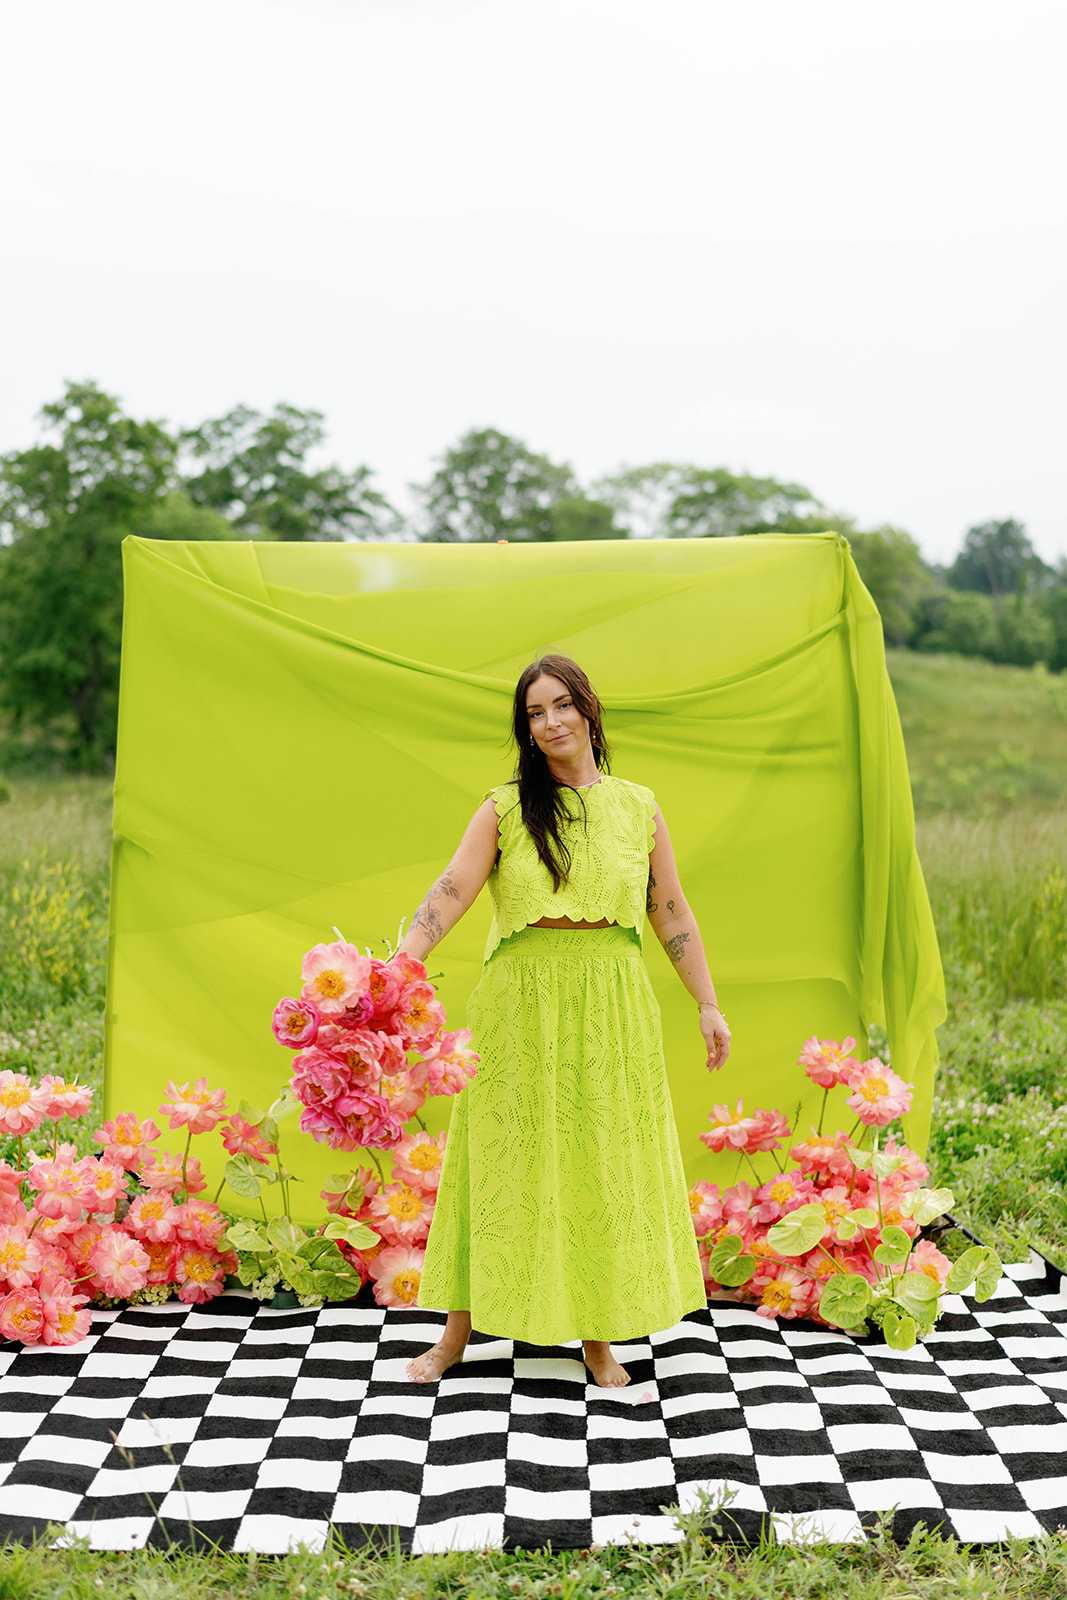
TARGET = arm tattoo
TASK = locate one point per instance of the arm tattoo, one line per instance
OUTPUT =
(675, 947)
(652, 905)
(427, 916)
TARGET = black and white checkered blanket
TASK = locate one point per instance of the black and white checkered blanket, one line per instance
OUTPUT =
(256, 1429)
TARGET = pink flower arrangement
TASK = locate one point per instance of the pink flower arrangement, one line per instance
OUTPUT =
(821, 1240)
(352, 1025)
(106, 1226)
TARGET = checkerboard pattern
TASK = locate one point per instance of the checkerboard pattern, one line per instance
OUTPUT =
(255, 1429)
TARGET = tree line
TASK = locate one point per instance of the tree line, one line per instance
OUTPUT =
(67, 503)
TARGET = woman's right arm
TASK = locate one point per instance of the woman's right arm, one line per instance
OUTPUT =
(459, 885)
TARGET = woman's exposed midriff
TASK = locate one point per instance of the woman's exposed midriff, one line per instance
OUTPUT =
(565, 922)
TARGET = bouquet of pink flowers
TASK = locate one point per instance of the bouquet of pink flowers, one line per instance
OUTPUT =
(835, 1237)
(354, 1022)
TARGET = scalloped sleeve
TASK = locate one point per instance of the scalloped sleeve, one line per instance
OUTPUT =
(502, 799)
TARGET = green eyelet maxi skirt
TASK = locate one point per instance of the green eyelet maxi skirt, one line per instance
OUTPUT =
(562, 1209)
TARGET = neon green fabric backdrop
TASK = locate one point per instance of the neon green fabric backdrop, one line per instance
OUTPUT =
(305, 730)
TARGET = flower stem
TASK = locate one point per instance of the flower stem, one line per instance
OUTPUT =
(752, 1164)
(822, 1108)
(185, 1158)
(837, 1265)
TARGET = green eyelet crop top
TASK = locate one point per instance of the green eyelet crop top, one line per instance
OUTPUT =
(609, 859)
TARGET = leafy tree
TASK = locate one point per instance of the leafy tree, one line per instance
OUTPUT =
(951, 620)
(677, 500)
(577, 516)
(490, 486)
(65, 508)
(892, 568)
(997, 558)
(1025, 633)
(252, 469)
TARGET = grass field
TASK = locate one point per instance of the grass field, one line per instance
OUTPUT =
(987, 749)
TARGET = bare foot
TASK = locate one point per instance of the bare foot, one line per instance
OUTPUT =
(428, 1367)
(605, 1369)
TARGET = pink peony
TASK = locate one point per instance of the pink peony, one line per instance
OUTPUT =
(401, 1214)
(449, 1065)
(67, 1317)
(105, 1185)
(201, 1273)
(419, 1016)
(823, 1153)
(22, 1103)
(295, 1022)
(878, 1095)
(61, 1182)
(826, 1062)
(20, 1259)
(784, 1291)
(153, 1216)
(731, 1128)
(65, 1099)
(396, 1269)
(200, 1222)
(417, 1160)
(334, 976)
(769, 1129)
(926, 1257)
(240, 1138)
(163, 1170)
(126, 1138)
(319, 1077)
(384, 986)
(779, 1195)
(21, 1315)
(120, 1262)
(194, 1105)
(162, 1254)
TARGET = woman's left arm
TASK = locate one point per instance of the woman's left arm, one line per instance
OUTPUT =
(676, 928)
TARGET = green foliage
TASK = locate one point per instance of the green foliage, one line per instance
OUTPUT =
(51, 924)
(67, 505)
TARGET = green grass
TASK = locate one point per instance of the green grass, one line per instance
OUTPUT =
(987, 750)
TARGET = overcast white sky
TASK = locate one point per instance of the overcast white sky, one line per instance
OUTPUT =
(824, 241)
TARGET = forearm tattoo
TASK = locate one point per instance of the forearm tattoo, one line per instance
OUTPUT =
(675, 947)
(427, 917)
(651, 903)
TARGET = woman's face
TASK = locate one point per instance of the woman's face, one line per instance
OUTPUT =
(554, 720)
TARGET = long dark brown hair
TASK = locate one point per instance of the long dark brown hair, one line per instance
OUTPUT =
(538, 792)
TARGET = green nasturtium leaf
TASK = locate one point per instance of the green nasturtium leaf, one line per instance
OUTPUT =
(894, 1248)
(963, 1270)
(845, 1299)
(799, 1231)
(899, 1329)
(357, 1234)
(916, 1293)
(244, 1235)
(926, 1204)
(727, 1266)
(242, 1177)
(285, 1235)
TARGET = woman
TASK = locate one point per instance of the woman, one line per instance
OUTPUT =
(562, 1208)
